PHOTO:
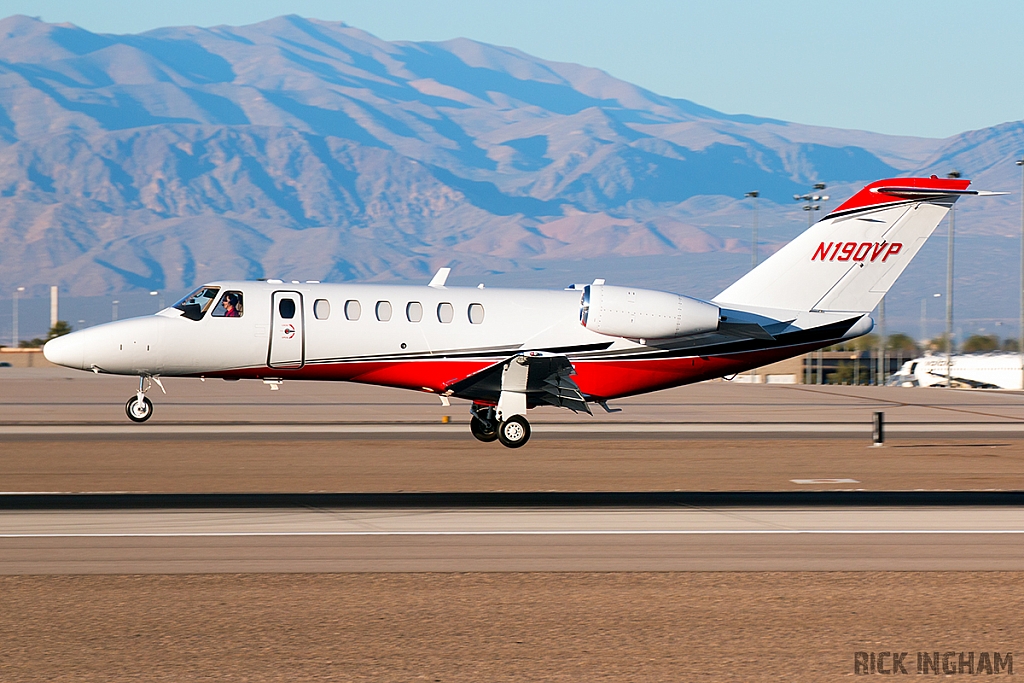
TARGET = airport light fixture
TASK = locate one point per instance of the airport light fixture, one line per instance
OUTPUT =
(811, 200)
(754, 194)
(949, 288)
(819, 187)
(160, 301)
(14, 317)
(113, 309)
(1020, 332)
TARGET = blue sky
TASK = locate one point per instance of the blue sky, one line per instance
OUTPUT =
(931, 69)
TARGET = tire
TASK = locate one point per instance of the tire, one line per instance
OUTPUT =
(480, 431)
(514, 432)
(137, 412)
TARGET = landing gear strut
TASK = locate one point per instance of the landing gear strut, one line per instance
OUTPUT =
(139, 408)
(483, 425)
(511, 433)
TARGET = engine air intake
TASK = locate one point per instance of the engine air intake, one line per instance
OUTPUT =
(645, 314)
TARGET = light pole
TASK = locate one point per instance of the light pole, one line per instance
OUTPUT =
(810, 206)
(949, 289)
(883, 369)
(1020, 335)
(753, 240)
(113, 309)
(14, 315)
(753, 194)
(924, 318)
(161, 300)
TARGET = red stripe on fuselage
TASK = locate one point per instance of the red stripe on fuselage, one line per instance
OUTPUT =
(435, 375)
(600, 379)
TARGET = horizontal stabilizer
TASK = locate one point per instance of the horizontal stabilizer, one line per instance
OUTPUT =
(744, 331)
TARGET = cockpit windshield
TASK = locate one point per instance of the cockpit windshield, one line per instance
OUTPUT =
(195, 304)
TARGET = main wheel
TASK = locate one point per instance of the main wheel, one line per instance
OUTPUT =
(514, 432)
(138, 411)
(480, 430)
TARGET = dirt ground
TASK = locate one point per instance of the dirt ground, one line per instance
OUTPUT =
(547, 464)
(496, 627)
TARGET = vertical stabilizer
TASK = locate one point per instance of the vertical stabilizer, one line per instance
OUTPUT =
(848, 260)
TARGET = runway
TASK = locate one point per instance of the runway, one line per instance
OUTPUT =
(511, 539)
(69, 404)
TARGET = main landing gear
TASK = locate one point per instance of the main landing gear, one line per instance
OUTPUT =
(139, 408)
(511, 433)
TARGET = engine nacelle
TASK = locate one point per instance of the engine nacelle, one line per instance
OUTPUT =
(645, 314)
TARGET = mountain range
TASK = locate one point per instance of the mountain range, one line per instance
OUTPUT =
(306, 149)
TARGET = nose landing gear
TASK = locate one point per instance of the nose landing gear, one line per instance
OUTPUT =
(139, 408)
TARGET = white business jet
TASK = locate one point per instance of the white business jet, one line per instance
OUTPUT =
(509, 350)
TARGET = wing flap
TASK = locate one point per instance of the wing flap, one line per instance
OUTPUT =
(549, 382)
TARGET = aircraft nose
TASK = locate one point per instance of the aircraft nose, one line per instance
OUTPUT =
(67, 351)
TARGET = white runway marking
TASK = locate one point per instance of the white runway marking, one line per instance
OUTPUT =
(508, 522)
(825, 481)
(511, 539)
(568, 532)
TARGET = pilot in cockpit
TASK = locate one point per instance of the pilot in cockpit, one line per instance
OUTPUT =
(230, 306)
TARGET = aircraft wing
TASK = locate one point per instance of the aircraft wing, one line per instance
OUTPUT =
(549, 382)
(972, 383)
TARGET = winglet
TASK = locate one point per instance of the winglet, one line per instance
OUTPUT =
(440, 277)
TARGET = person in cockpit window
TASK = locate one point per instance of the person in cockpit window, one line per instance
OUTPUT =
(231, 305)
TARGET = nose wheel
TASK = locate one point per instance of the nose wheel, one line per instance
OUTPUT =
(138, 411)
(139, 408)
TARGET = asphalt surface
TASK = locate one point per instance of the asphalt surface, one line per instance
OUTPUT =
(331, 531)
(74, 403)
(62, 431)
(514, 539)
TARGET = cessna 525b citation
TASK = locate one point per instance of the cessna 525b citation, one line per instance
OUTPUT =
(509, 350)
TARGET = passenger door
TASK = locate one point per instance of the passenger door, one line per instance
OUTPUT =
(287, 338)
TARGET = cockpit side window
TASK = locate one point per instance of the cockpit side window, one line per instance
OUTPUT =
(230, 306)
(195, 304)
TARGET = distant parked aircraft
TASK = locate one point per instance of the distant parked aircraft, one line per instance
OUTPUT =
(979, 371)
(509, 350)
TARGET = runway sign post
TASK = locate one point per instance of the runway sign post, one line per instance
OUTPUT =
(878, 429)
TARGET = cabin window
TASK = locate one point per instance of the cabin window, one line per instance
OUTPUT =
(445, 312)
(286, 307)
(195, 304)
(352, 309)
(230, 306)
(476, 313)
(414, 311)
(383, 311)
(321, 309)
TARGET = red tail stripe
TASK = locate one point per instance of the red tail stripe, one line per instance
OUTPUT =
(869, 197)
